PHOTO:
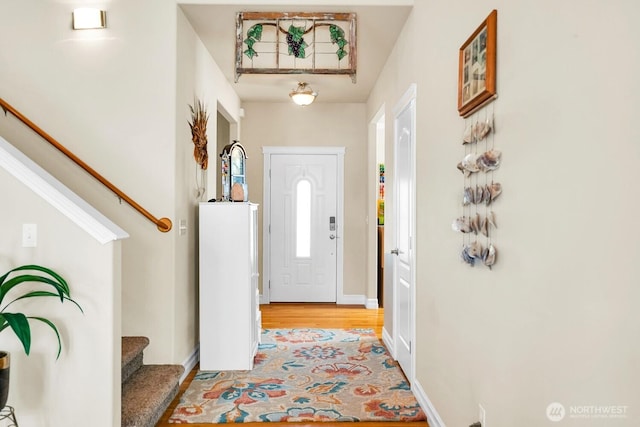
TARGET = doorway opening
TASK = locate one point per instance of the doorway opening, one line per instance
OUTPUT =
(226, 132)
(223, 137)
(380, 191)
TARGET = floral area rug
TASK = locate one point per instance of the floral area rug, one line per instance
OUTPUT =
(305, 375)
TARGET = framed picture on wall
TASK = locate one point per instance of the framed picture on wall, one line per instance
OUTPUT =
(477, 67)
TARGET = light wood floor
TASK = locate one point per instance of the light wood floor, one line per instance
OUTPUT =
(306, 315)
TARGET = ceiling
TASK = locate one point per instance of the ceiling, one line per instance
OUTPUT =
(377, 30)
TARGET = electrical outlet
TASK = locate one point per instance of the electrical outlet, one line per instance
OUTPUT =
(482, 416)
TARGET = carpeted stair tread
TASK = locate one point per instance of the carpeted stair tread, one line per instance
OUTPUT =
(148, 393)
(132, 348)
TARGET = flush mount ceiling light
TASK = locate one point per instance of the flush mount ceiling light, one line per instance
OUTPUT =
(86, 18)
(303, 94)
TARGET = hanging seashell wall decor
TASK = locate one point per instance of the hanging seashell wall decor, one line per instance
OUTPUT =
(477, 221)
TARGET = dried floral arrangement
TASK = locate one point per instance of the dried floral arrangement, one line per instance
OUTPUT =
(198, 125)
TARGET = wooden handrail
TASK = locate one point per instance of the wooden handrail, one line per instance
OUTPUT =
(163, 224)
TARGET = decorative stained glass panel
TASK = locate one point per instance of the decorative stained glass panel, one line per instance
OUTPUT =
(296, 43)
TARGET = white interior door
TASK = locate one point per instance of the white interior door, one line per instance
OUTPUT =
(303, 228)
(404, 225)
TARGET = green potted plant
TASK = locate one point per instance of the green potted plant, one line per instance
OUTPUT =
(52, 285)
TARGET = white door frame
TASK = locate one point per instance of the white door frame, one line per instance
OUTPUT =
(372, 210)
(407, 99)
(266, 214)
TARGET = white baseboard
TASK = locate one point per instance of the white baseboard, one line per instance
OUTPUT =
(372, 304)
(190, 362)
(388, 342)
(432, 415)
(351, 300)
(263, 300)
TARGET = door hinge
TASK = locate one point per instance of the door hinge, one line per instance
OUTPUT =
(410, 349)
(269, 284)
(269, 228)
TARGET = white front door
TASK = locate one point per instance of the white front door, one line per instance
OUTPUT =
(404, 226)
(303, 227)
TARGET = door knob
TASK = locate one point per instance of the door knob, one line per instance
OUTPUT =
(396, 251)
(332, 237)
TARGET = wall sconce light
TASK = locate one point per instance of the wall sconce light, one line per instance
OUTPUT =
(303, 94)
(87, 18)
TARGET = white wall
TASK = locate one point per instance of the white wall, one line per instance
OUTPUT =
(84, 383)
(118, 98)
(109, 96)
(198, 76)
(399, 73)
(554, 320)
(319, 124)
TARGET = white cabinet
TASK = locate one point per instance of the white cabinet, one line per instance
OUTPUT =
(229, 310)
